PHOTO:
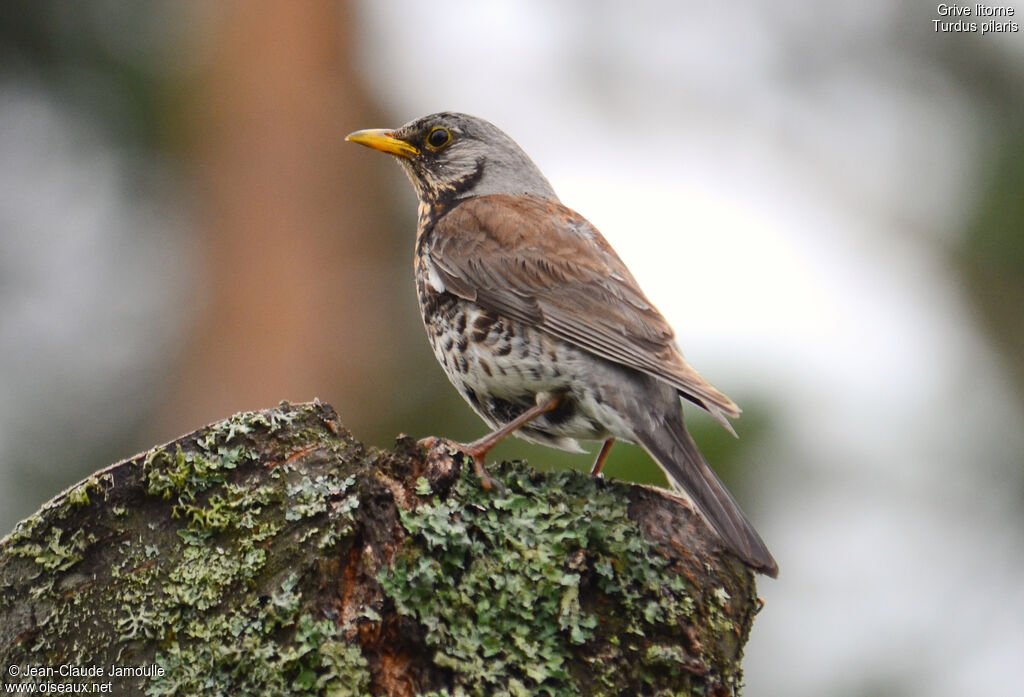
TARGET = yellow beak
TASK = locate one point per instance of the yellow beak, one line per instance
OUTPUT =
(383, 140)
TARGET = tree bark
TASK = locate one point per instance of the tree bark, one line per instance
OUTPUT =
(272, 554)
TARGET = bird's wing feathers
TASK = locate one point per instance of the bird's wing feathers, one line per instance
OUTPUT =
(539, 262)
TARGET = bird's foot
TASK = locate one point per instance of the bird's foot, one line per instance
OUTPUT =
(477, 450)
(428, 442)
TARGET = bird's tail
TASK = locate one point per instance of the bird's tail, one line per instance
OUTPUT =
(674, 450)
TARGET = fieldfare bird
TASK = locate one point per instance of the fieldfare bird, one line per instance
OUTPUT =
(539, 324)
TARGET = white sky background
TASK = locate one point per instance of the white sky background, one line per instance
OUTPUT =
(782, 182)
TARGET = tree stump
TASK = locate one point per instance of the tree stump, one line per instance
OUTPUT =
(272, 554)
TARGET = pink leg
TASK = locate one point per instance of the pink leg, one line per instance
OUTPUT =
(478, 449)
(606, 448)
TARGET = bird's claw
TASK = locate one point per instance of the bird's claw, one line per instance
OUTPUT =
(428, 442)
(487, 482)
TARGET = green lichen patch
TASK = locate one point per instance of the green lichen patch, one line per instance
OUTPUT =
(511, 590)
(270, 554)
(58, 551)
(183, 474)
(232, 527)
(313, 496)
(269, 648)
(47, 538)
(79, 495)
(167, 559)
(248, 422)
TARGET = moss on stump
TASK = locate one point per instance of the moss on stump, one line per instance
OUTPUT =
(272, 554)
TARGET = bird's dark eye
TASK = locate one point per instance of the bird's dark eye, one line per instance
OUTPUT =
(438, 138)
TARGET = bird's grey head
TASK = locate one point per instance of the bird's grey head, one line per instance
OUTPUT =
(450, 156)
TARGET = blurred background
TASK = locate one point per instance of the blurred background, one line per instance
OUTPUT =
(827, 204)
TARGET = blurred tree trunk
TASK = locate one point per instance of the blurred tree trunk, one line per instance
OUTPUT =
(298, 264)
(271, 554)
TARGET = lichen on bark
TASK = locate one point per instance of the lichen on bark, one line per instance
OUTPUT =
(272, 554)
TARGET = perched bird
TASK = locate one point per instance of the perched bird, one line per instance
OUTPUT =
(539, 324)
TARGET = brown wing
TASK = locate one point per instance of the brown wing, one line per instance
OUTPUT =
(539, 262)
